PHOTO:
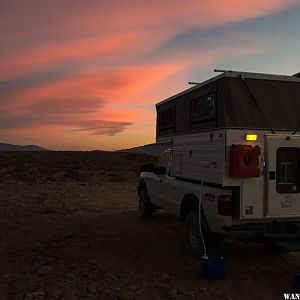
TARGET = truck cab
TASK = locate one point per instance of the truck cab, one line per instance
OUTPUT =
(159, 188)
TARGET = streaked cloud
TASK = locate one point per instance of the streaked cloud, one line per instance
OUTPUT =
(81, 71)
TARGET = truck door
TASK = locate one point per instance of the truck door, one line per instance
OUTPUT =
(171, 193)
(156, 182)
(283, 175)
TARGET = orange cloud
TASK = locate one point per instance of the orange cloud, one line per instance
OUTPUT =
(102, 48)
(62, 18)
(97, 69)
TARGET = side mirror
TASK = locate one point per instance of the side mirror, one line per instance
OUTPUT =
(147, 168)
(160, 170)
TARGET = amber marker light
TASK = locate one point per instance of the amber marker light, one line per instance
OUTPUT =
(251, 137)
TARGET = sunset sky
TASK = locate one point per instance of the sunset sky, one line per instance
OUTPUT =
(83, 75)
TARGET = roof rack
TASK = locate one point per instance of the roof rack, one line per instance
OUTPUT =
(237, 74)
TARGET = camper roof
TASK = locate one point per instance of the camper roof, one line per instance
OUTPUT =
(233, 100)
(228, 73)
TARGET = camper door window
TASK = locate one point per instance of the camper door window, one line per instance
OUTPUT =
(203, 108)
(288, 167)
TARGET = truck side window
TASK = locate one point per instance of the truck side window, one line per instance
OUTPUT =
(164, 160)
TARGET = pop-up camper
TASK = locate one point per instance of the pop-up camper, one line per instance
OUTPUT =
(234, 140)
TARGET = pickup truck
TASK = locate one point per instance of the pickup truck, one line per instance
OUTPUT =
(158, 188)
(234, 161)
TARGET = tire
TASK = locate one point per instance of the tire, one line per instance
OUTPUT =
(145, 207)
(193, 242)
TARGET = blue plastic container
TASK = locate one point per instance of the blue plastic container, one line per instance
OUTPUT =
(296, 285)
(213, 268)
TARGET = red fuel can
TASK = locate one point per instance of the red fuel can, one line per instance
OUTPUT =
(244, 161)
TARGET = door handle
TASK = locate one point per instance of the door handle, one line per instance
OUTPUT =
(160, 180)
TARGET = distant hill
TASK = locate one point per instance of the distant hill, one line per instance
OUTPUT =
(9, 147)
(150, 149)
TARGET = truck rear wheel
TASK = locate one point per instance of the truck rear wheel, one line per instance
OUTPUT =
(193, 241)
(145, 206)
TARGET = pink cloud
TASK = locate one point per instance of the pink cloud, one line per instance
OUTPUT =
(83, 68)
(103, 48)
(101, 103)
(106, 16)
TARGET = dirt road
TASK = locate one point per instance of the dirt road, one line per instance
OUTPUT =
(70, 230)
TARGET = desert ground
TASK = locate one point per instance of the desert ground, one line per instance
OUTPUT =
(69, 229)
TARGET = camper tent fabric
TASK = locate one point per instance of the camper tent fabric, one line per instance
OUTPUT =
(249, 103)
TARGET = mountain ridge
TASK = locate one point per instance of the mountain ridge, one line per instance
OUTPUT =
(149, 149)
(12, 147)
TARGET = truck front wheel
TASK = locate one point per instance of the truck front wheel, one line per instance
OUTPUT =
(193, 241)
(145, 207)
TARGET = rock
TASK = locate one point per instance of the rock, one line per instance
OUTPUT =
(191, 261)
(33, 246)
(7, 275)
(185, 297)
(49, 210)
(60, 227)
(91, 287)
(68, 295)
(93, 262)
(25, 227)
(133, 287)
(126, 295)
(71, 276)
(228, 240)
(187, 292)
(172, 292)
(203, 289)
(139, 291)
(35, 295)
(19, 296)
(165, 277)
(160, 284)
(45, 270)
(111, 276)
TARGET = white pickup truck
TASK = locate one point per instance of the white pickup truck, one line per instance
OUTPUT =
(158, 188)
(235, 148)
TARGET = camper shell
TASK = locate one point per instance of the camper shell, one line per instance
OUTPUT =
(236, 100)
(234, 154)
(205, 124)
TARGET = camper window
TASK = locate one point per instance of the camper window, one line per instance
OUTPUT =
(287, 170)
(167, 118)
(203, 108)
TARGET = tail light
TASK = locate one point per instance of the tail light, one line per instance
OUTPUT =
(225, 205)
